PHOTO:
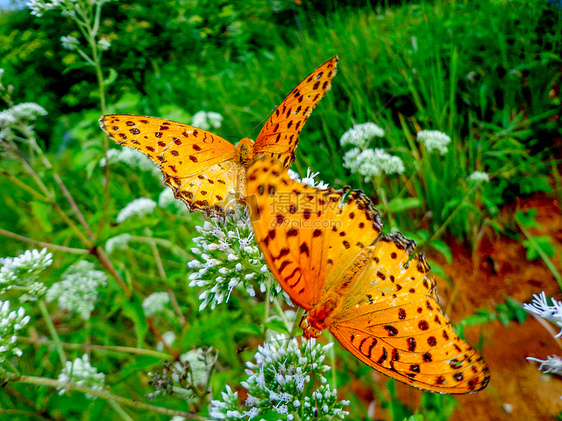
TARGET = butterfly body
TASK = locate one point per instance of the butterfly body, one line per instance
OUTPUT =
(206, 171)
(326, 249)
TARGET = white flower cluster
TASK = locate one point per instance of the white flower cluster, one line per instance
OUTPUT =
(434, 140)
(360, 134)
(227, 256)
(372, 162)
(81, 372)
(23, 112)
(479, 177)
(11, 322)
(132, 158)
(552, 364)
(69, 42)
(104, 44)
(277, 385)
(540, 307)
(68, 7)
(78, 290)
(168, 201)
(552, 313)
(155, 303)
(119, 242)
(206, 120)
(137, 208)
(24, 270)
(309, 180)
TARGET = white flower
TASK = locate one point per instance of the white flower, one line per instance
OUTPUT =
(373, 162)
(207, 120)
(21, 113)
(119, 242)
(81, 372)
(167, 200)
(104, 44)
(309, 180)
(360, 134)
(78, 290)
(11, 322)
(155, 303)
(229, 256)
(434, 140)
(138, 207)
(479, 177)
(69, 42)
(132, 158)
(552, 364)
(276, 382)
(540, 307)
(24, 269)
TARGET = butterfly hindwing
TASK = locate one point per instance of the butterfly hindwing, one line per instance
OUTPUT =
(391, 320)
(199, 166)
(279, 137)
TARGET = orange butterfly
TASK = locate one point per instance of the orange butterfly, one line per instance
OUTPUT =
(205, 170)
(329, 255)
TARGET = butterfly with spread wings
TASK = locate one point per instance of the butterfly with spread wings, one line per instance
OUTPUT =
(326, 250)
(206, 171)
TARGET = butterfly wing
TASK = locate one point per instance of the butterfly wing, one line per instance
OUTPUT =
(280, 136)
(390, 320)
(199, 166)
(327, 254)
(298, 231)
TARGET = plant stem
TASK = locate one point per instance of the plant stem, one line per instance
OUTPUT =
(42, 244)
(42, 381)
(122, 349)
(52, 330)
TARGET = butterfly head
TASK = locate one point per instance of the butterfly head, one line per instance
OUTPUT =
(318, 319)
(245, 152)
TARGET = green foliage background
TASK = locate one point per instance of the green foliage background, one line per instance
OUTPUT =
(486, 72)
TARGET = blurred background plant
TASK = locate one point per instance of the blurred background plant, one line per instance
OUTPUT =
(443, 124)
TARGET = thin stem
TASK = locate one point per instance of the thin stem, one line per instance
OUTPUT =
(267, 304)
(106, 348)
(281, 313)
(176, 306)
(42, 381)
(24, 186)
(159, 264)
(52, 330)
(117, 408)
(42, 244)
(444, 225)
(104, 260)
(59, 182)
(296, 323)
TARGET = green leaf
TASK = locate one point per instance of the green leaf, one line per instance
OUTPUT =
(443, 248)
(399, 205)
(41, 211)
(277, 325)
(527, 218)
(542, 242)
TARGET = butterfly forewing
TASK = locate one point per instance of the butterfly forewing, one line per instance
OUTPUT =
(299, 229)
(199, 166)
(280, 135)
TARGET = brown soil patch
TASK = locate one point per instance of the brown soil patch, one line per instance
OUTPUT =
(497, 270)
